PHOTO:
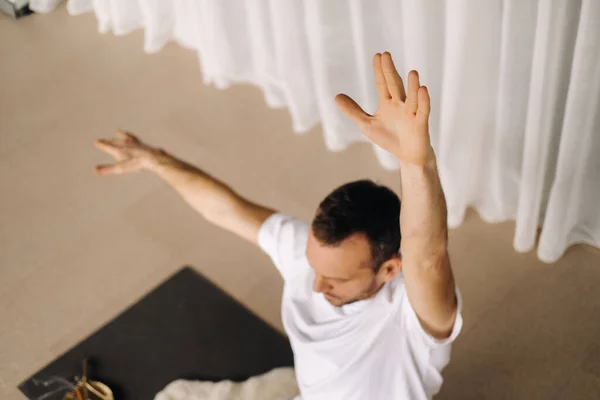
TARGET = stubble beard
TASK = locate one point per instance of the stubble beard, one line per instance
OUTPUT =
(368, 293)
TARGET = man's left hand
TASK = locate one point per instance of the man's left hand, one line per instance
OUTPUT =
(401, 123)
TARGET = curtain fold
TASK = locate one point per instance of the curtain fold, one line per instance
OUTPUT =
(515, 88)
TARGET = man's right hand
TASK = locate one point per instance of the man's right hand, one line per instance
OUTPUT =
(213, 199)
(131, 154)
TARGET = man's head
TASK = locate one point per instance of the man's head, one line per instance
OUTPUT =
(354, 242)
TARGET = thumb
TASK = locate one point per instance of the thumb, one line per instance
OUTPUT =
(121, 167)
(352, 110)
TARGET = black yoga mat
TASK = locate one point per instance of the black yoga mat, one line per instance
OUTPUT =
(186, 328)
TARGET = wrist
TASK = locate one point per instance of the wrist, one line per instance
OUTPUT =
(158, 160)
(425, 162)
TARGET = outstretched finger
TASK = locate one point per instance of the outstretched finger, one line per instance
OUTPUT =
(413, 88)
(382, 89)
(107, 146)
(392, 78)
(352, 110)
(424, 107)
(117, 168)
(127, 135)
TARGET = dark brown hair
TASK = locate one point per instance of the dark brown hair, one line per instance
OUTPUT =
(361, 207)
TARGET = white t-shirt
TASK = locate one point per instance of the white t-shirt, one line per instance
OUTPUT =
(368, 350)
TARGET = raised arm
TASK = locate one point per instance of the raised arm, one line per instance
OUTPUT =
(214, 200)
(401, 126)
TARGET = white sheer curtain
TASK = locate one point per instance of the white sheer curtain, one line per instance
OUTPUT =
(515, 87)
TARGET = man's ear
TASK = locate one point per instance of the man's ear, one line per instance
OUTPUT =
(391, 268)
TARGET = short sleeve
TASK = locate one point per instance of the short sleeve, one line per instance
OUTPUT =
(284, 239)
(413, 323)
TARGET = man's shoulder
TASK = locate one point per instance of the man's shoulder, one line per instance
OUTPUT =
(283, 229)
(284, 238)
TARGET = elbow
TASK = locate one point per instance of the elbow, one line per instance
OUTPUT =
(436, 259)
(219, 207)
(427, 257)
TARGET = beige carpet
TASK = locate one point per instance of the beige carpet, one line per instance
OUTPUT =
(76, 249)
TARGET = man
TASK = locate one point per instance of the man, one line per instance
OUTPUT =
(369, 316)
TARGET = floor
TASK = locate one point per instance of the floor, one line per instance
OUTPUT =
(75, 249)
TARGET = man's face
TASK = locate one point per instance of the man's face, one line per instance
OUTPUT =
(344, 274)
